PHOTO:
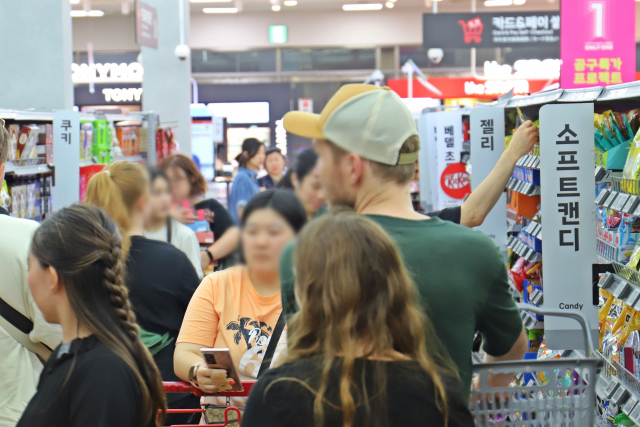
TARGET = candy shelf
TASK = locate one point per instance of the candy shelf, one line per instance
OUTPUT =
(523, 187)
(25, 168)
(524, 250)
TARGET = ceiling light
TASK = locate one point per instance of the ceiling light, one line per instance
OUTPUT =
(74, 1)
(210, 1)
(519, 2)
(84, 13)
(362, 6)
(389, 5)
(491, 3)
(295, 3)
(220, 10)
(275, 8)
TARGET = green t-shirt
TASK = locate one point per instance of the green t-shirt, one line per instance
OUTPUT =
(462, 279)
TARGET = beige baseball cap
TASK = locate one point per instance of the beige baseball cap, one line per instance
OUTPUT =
(367, 120)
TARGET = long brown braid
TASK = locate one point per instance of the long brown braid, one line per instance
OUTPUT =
(84, 246)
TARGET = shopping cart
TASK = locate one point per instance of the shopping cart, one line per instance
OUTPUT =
(560, 393)
(179, 387)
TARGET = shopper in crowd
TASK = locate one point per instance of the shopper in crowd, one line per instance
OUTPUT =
(480, 202)
(304, 180)
(245, 184)
(159, 224)
(101, 375)
(160, 277)
(274, 164)
(240, 308)
(360, 322)
(189, 187)
(26, 339)
(368, 144)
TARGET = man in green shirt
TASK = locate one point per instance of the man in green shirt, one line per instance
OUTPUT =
(367, 142)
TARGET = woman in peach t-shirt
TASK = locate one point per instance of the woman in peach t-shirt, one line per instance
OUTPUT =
(238, 308)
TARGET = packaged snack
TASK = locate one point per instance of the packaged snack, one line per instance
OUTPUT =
(613, 218)
(612, 317)
(633, 342)
(633, 118)
(634, 260)
(632, 166)
(27, 142)
(14, 132)
(631, 326)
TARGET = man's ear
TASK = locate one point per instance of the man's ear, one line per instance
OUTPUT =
(356, 166)
(294, 180)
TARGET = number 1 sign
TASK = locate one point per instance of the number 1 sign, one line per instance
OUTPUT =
(597, 42)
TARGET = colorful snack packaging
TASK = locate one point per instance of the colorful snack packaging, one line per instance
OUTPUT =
(633, 118)
(613, 218)
(634, 260)
(606, 300)
(632, 166)
(633, 325)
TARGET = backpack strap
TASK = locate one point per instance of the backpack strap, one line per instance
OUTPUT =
(19, 327)
(271, 348)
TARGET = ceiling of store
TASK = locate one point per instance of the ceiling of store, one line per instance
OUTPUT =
(115, 6)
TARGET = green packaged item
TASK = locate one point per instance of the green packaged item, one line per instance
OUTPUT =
(623, 420)
(634, 259)
(632, 166)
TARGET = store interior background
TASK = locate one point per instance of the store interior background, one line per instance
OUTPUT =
(233, 60)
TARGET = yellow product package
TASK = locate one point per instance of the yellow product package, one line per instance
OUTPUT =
(603, 311)
(623, 319)
(612, 317)
(632, 166)
(633, 261)
(632, 325)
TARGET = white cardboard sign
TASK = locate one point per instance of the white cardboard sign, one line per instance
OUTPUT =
(487, 146)
(449, 146)
(568, 215)
(65, 189)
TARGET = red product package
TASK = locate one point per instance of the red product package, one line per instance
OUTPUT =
(614, 219)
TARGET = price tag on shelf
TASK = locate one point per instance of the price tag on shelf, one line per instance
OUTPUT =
(631, 205)
(621, 200)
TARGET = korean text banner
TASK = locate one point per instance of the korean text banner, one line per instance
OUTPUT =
(598, 45)
(459, 30)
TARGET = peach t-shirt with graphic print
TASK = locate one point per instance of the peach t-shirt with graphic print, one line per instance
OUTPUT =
(227, 312)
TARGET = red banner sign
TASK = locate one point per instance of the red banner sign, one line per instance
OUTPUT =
(466, 87)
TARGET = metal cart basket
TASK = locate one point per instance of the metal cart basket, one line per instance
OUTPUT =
(554, 393)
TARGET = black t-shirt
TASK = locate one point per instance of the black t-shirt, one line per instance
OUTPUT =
(448, 214)
(410, 397)
(161, 281)
(100, 391)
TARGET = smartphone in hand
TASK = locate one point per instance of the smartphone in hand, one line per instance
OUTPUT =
(220, 358)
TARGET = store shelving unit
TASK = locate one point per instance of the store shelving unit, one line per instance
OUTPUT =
(33, 169)
(616, 384)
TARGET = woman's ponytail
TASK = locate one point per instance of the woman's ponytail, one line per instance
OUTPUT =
(116, 189)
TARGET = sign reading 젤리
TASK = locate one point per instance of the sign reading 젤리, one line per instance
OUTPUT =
(509, 29)
(599, 46)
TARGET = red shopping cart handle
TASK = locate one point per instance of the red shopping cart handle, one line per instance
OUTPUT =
(180, 387)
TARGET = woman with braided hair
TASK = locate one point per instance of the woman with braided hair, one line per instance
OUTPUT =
(101, 375)
(160, 277)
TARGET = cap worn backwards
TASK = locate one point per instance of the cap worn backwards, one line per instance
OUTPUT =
(363, 119)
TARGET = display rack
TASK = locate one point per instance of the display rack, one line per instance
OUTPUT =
(33, 169)
(616, 385)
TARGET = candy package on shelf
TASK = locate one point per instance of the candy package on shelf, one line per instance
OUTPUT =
(632, 166)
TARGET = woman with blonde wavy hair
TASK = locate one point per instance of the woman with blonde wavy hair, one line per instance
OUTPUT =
(361, 351)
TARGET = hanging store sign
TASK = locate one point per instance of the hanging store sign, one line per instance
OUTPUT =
(460, 30)
(601, 49)
(487, 146)
(107, 73)
(146, 25)
(65, 189)
(465, 87)
(568, 232)
(451, 180)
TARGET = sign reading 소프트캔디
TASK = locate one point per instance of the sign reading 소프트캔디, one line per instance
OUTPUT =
(568, 212)
(508, 29)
